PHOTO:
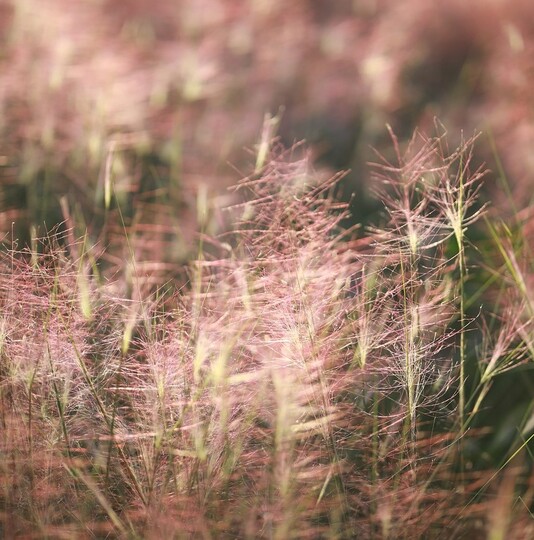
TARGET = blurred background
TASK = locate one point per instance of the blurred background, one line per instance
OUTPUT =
(143, 105)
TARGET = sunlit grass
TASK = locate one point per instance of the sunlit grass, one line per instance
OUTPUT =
(305, 381)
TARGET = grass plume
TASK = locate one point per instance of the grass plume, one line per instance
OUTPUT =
(303, 383)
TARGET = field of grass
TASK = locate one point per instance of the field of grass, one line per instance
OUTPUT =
(209, 329)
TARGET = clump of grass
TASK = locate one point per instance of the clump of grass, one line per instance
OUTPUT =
(308, 382)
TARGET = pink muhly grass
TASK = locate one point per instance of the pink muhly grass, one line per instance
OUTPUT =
(53, 375)
(283, 393)
(427, 194)
(241, 390)
(296, 350)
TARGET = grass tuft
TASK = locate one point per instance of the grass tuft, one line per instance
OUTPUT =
(307, 381)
